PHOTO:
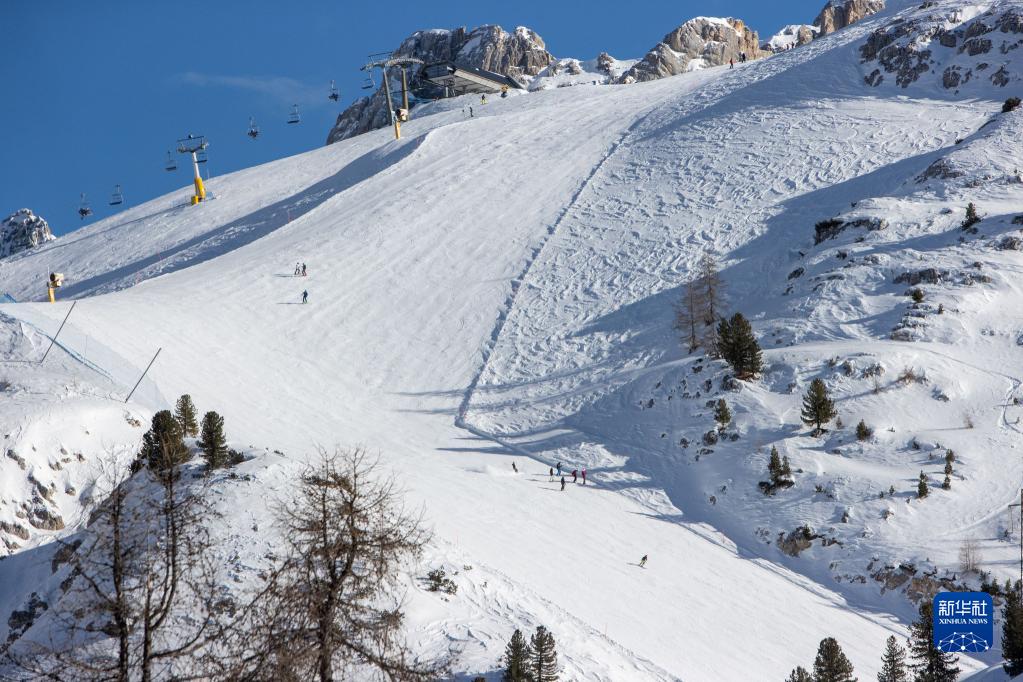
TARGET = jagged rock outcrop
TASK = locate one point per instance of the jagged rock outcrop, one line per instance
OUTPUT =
(838, 14)
(696, 44)
(520, 54)
(959, 52)
(23, 230)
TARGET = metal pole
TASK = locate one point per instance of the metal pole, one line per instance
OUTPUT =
(390, 105)
(143, 375)
(404, 89)
(54, 339)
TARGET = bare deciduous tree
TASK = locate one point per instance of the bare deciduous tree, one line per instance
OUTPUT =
(969, 556)
(327, 610)
(141, 595)
(698, 312)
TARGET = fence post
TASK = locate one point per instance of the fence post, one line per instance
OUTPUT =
(143, 375)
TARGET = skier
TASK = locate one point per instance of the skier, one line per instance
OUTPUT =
(742, 56)
(731, 63)
(515, 467)
(470, 112)
(305, 297)
(483, 99)
(559, 468)
(562, 483)
(552, 474)
(575, 475)
(642, 562)
(298, 270)
(584, 476)
(303, 269)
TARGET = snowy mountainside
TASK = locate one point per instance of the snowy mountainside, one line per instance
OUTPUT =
(489, 326)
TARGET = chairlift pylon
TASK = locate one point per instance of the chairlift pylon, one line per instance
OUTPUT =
(83, 208)
(117, 198)
(294, 116)
(253, 129)
(334, 94)
(171, 164)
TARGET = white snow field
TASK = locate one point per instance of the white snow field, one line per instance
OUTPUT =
(500, 289)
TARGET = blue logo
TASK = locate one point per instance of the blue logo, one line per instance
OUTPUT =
(964, 622)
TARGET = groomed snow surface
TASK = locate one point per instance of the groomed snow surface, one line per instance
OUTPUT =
(499, 289)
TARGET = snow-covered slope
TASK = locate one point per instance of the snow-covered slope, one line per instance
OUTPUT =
(500, 289)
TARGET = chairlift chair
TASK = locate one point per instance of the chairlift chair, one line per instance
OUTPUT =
(116, 198)
(334, 94)
(294, 116)
(200, 156)
(171, 165)
(83, 208)
(253, 129)
(369, 83)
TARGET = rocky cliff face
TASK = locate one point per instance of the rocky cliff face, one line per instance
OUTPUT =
(790, 37)
(838, 14)
(520, 54)
(963, 51)
(696, 44)
(23, 230)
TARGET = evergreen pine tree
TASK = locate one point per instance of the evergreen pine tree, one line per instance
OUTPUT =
(774, 465)
(930, 664)
(948, 468)
(543, 657)
(947, 483)
(893, 663)
(739, 347)
(800, 674)
(162, 445)
(818, 407)
(831, 664)
(213, 441)
(921, 488)
(1012, 630)
(972, 218)
(184, 412)
(516, 659)
(722, 415)
(786, 469)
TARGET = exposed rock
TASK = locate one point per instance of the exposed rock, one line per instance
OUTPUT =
(696, 44)
(23, 230)
(1010, 244)
(797, 541)
(21, 620)
(838, 14)
(831, 228)
(43, 519)
(925, 276)
(711, 437)
(942, 169)
(63, 554)
(1000, 77)
(15, 529)
(520, 54)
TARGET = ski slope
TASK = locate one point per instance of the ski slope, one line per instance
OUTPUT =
(499, 288)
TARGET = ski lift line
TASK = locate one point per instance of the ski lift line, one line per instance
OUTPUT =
(294, 117)
(117, 197)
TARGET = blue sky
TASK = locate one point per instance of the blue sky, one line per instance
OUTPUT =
(96, 92)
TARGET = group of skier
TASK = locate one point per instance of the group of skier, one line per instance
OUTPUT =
(731, 60)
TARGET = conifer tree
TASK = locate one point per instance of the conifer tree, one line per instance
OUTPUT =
(800, 674)
(739, 347)
(786, 469)
(163, 448)
(948, 468)
(543, 657)
(972, 218)
(818, 407)
(831, 664)
(774, 465)
(722, 415)
(921, 488)
(184, 412)
(213, 441)
(893, 662)
(930, 664)
(947, 483)
(1012, 630)
(516, 659)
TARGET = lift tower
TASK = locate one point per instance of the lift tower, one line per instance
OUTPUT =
(398, 116)
(195, 144)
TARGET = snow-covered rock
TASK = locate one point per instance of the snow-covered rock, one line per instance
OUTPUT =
(520, 54)
(838, 14)
(566, 72)
(698, 43)
(23, 230)
(790, 36)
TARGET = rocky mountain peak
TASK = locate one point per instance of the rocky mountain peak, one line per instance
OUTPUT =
(698, 43)
(23, 230)
(838, 14)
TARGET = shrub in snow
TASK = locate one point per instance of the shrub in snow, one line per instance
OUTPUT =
(917, 295)
(1010, 104)
(863, 432)
(921, 488)
(438, 581)
(780, 471)
(722, 415)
